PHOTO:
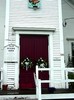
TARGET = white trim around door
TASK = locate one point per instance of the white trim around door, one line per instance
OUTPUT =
(35, 31)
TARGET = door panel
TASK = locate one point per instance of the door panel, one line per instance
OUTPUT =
(33, 47)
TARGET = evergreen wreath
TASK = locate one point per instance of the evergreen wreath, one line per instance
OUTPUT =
(41, 63)
(27, 63)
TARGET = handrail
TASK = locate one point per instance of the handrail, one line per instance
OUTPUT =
(48, 81)
(39, 81)
(47, 69)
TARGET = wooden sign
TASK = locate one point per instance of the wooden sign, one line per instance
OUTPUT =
(11, 53)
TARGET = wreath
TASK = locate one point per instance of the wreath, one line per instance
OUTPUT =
(27, 63)
(41, 63)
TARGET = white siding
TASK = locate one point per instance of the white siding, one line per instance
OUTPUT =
(11, 74)
(47, 16)
(21, 15)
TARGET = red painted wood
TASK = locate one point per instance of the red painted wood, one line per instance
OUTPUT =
(33, 47)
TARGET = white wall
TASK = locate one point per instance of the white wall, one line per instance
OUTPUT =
(2, 23)
(68, 12)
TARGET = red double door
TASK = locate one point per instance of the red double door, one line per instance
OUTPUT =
(33, 47)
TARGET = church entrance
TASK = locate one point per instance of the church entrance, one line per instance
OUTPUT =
(32, 47)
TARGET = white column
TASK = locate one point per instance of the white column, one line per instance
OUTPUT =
(6, 39)
(61, 40)
(51, 73)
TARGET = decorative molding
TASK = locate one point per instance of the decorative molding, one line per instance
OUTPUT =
(33, 29)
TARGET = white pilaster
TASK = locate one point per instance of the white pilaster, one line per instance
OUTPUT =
(61, 39)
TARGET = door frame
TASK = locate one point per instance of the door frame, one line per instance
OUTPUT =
(37, 31)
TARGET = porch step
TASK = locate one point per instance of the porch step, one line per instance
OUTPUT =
(31, 95)
(18, 97)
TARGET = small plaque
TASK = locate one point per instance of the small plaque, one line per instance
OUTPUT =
(35, 4)
(11, 53)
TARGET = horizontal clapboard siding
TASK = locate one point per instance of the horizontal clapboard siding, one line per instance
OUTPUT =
(11, 75)
(57, 76)
(29, 17)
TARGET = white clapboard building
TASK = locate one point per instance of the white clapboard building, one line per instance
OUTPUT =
(32, 30)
